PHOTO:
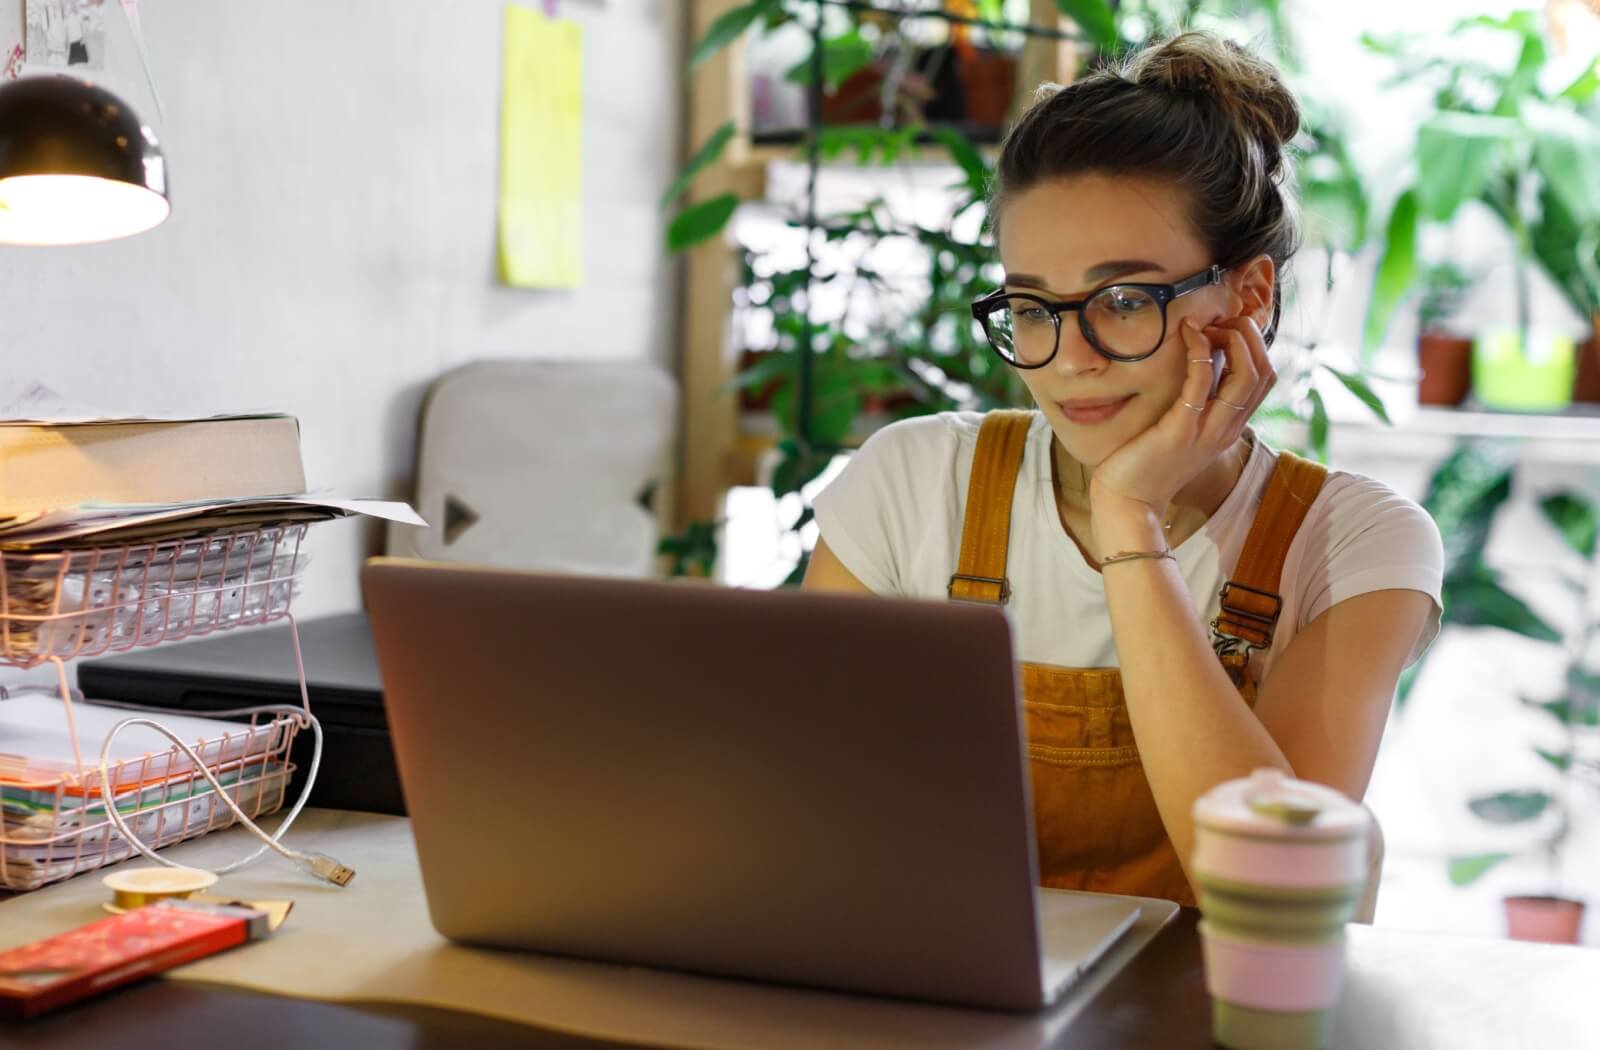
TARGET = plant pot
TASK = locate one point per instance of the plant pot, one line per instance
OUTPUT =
(1586, 385)
(1554, 920)
(756, 398)
(990, 80)
(1504, 376)
(858, 100)
(1446, 363)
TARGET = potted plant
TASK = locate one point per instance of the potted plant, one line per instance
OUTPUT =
(1444, 354)
(1465, 494)
(1551, 915)
(1499, 138)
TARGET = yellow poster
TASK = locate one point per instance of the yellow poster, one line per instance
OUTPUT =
(541, 152)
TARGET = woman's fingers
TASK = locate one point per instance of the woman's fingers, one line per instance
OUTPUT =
(1194, 404)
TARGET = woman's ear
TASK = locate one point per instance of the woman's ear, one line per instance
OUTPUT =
(1253, 287)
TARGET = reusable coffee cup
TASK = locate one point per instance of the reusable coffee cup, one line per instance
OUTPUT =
(1281, 866)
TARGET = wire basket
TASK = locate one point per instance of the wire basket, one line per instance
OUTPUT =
(75, 604)
(51, 830)
(60, 605)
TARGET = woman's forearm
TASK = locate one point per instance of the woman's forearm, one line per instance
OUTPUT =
(1192, 727)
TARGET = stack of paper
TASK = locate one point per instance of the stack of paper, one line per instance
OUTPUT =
(52, 812)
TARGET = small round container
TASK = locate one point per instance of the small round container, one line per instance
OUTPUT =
(135, 887)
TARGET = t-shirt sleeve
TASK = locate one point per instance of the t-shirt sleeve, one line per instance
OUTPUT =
(875, 512)
(1372, 539)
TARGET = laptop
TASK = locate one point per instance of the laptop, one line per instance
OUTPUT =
(813, 789)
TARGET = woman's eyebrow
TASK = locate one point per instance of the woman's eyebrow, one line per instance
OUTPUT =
(1094, 275)
(1119, 268)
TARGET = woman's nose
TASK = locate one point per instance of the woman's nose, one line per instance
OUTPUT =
(1075, 355)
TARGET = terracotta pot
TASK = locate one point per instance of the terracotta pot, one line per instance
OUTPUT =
(1586, 386)
(1446, 363)
(990, 79)
(1554, 920)
(858, 100)
(756, 399)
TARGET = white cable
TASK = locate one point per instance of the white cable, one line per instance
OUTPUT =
(320, 865)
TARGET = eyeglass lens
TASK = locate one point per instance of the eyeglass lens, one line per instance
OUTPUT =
(1126, 322)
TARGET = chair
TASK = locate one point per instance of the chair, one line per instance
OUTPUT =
(546, 465)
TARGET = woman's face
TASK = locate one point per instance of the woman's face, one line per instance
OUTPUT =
(1066, 238)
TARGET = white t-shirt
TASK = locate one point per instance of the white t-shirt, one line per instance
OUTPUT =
(894, 517)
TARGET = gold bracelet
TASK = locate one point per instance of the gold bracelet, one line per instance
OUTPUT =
(1136, 556)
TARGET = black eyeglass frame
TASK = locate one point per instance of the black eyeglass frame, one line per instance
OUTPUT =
(1163, 294)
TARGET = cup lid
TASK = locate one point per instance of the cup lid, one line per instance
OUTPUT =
(1270, 803)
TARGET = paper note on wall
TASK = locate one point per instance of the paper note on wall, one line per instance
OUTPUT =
(541, 152)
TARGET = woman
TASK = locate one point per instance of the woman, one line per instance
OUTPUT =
(1143, 225)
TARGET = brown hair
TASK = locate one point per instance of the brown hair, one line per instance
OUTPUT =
(1198, 110)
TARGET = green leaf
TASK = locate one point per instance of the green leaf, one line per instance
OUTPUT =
(1479, 601)
(1581, 90)
(1389, 47)
(1395, 271)
(1566, 153)
(1561, 762)
(797, 469)
(1097, 21)
(1358, 386)
(1318, 427)
(1464, 871)
(1524, 79)
(708, 152)
(966, 155)
(1464, 494)
(726, 29)
(841, 56)
(693, 552)
(1510, 807)
(1575, 518)
(699, 222)
(769, 366)
(1456, 153)
(1579, 708)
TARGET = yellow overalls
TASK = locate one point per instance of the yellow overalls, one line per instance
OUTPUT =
(1095, 819)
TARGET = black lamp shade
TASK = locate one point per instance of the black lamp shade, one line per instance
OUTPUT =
(76, 165)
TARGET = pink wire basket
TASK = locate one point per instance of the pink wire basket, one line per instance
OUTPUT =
(62, 605)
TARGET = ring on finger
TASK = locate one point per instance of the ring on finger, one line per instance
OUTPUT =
(1202, 360)
(1230, 404)
(1192, 408)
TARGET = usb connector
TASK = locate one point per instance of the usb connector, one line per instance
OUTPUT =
(326, 868)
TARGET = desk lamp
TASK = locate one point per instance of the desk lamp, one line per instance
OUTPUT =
(76, 165)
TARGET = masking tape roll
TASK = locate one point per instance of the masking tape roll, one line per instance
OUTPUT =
(136, 887)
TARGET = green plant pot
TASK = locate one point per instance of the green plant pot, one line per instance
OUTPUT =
(1505, 377)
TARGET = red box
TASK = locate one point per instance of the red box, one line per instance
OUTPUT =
(41, 976)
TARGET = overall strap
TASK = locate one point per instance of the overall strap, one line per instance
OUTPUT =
(1251, 599)
(986, 531)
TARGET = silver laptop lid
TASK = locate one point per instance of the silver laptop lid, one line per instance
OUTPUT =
(818, 789)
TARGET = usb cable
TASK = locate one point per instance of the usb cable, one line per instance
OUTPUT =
(320, 865)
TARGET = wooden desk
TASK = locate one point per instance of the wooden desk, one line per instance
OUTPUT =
(1403, 990)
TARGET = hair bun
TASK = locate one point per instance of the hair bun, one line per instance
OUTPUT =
(1245, 87)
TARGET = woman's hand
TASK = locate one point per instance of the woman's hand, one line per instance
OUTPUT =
(1137, 482)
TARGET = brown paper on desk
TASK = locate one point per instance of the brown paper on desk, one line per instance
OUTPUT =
(372, 942)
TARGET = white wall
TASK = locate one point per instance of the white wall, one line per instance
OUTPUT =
(332, 244)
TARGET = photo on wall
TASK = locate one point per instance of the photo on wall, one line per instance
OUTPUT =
(66, 33)
(11, 38)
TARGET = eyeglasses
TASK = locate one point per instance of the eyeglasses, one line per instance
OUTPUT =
(1125, 322)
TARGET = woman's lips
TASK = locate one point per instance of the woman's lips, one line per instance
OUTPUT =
(1090, 410)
